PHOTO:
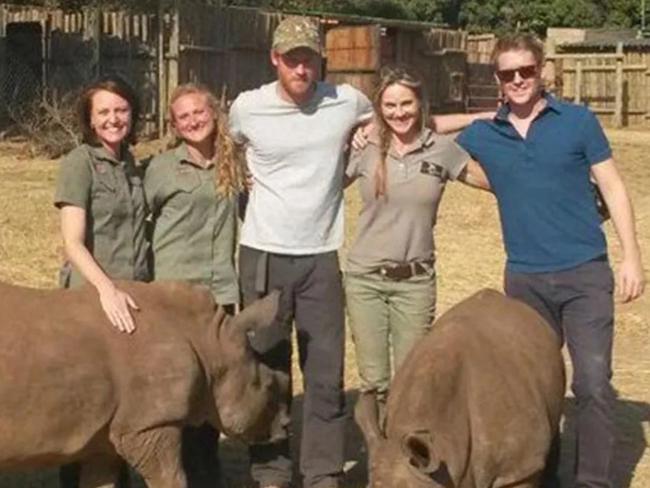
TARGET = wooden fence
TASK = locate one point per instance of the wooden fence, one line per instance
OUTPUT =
(483, 92)
(614, 82)
(355, 54)
(42, 47)
(225, 48)
(615, 85)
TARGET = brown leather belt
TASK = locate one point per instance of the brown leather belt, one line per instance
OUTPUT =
(403, 271)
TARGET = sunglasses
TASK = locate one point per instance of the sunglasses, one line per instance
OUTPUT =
(525, 72)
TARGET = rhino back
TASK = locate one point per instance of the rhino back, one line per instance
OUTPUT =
(488, 381)
(56, 391)
(72, 377)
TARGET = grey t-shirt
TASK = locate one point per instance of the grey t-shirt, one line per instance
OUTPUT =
(398, 228)
(296, 156)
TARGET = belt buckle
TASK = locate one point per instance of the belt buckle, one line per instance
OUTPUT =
(394, 273)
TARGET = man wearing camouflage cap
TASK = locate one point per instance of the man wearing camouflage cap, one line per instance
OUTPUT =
(295, 131)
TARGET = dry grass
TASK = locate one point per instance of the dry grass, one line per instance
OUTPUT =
(470, 257)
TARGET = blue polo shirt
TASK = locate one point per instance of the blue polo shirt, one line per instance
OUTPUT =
(548, 214)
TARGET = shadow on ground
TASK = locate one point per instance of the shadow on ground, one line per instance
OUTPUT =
(631, 444)
(630, 440)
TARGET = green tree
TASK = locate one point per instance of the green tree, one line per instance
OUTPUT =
(474, 15)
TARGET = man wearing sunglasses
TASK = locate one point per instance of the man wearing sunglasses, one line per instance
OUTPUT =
(539, 154)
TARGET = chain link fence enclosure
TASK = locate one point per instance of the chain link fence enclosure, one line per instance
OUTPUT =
(45, 116)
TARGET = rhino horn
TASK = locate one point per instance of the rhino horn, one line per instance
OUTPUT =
(419, 450)
(366, 415)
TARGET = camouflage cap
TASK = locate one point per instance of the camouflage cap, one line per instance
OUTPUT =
(294, 32)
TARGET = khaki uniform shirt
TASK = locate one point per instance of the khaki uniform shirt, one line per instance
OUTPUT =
(110, 191)
(194, 227)
(398, 228)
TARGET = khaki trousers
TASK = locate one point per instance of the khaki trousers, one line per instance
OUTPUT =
(386, 319)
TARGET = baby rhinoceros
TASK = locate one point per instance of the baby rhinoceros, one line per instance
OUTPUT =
(475, 405)
(73, 388)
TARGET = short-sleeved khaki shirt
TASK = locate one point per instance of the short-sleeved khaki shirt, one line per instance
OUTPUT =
(194, 226)
(398, 228)
(110, 191)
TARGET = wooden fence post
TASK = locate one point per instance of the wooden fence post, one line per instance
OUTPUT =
(578, 87)
(93, 33)
(618, 109)
(549, 70)
(162, 71)
(173, 56)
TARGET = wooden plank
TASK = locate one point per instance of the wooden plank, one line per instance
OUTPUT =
(162, 72)
(618, 113)
(610, 110)
(612, 68)
(584, 56)
(173, 54)
(204, 49)
(355, 48)
(94, 36)
(365, 82)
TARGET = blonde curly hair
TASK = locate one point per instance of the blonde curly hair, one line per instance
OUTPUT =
(228, 168)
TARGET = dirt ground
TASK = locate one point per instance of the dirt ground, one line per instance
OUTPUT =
(470, 257)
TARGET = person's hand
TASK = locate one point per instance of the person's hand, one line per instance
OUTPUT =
(360, 137)
(116, 304)
(630, 280)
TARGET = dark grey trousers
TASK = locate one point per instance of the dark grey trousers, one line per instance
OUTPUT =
(578, 303)
(313, 299)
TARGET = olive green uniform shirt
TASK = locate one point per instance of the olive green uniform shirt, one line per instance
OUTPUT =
(398, 229)
(194, 226)
(110, 191)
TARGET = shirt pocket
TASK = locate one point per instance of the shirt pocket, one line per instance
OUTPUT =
(187, 181)
(104, 196)
(105, 182)
(111, 201)
(183, 193)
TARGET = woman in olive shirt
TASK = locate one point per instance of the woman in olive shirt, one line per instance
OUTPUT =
(390, 282)
(103, 212)
(191, 190)
(99, 193)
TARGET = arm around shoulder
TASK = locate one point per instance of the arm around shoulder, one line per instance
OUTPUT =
(444, 124)
(473, 175)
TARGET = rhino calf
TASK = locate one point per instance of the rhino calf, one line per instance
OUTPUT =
(73, 388)
(475, 405)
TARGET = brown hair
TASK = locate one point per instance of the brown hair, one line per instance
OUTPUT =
(391, 75)
(228, 174)
(519, 42)
(113, 84)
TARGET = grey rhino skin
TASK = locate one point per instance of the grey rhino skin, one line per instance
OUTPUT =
(475, 405)
(73, 388)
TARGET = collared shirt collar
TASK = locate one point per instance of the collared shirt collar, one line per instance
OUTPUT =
(183, 155)
(552, 103)
(426, 139)
(100, 152)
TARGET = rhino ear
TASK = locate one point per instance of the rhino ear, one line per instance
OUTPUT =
(258, 314)
(419, 450)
